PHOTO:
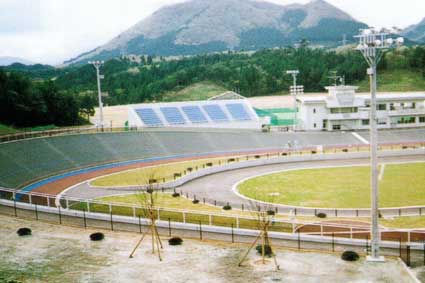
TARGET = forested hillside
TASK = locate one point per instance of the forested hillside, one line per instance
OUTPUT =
(257, 74)
(25, 103)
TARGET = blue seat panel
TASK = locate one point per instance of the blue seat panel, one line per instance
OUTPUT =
(238, 111)
(149, 117)
(194, 114)
(173, 115)
(215, 112)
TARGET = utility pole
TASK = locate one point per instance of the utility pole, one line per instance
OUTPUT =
(372, 44)
(294, 91)
(97, 65)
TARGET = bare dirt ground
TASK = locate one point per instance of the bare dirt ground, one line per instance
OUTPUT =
(64, 254)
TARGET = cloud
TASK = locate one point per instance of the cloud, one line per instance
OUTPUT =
(51, 31)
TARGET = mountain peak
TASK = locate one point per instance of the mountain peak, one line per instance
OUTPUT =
(200, 26)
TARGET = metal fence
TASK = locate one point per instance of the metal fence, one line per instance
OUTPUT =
(237, 226)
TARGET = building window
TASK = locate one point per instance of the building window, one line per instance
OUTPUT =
(365, 122)
(325, 124)
(344, 110)
(392, 107)
(314, 125)
(404, 120)
(381, 107)
(336, 127)
(422, 119)
(314, 110)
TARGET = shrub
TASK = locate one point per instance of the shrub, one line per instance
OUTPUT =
(227, 207)
(177, 175)
(209, 164)
(313, 152)
(345, 150)
(267, 250)
(257, 156)
(284, 154)
(149, 190)
(190, 169)
(175, 241)
(321, 215)
(175, 195)
(271, 212)
(231, 160)
(195, 201)
(350, 256)
(98, 236)
(24, 232)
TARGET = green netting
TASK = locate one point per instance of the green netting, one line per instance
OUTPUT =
(278, 116)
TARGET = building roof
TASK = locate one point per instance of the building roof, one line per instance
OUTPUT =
(381, 96)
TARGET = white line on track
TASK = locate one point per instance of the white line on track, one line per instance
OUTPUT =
(360, 138)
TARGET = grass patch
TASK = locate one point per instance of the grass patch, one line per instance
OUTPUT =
(405, 222)
(6, 130)
(165, 172)
(197, 91)
(343, 187)
(397, 80)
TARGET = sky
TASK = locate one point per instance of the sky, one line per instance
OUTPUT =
(51, 31)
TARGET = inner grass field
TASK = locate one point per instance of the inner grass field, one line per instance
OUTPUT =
(141, 176)
(342, 187)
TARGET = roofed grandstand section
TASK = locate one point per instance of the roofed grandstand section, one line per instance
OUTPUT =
(232, 114)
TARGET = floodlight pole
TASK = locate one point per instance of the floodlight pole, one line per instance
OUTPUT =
(294, 74)
(97, 65)
(372, 44)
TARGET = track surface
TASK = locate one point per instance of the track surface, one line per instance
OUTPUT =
(219, 186)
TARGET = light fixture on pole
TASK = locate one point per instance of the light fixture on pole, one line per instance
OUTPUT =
(372, 44)
(294, 91)
(97, 65)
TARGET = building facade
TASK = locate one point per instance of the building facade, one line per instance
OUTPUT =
(343, 109)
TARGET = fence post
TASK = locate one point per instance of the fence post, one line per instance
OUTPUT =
(333, 242)
(112, 223)
(48, 201)
(237, 222)
(184, 217)
(367, 244)
(400, 250)
(158, 214)
(140, 225)
(14, 207)
(85, 220)
(299, 239)
(88, 206)
(60, 216)
(408, 255)
(200, 230)
(30, 198)
(36, 212)
(210, 219)
(169, 226)
(233, 239)
(134, 211)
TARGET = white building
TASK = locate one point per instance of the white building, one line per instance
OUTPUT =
(343, 109)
